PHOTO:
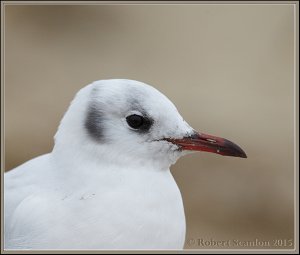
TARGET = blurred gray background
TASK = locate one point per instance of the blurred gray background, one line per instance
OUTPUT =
(229, 69)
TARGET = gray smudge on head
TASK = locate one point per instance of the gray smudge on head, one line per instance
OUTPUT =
(94, 119)
(94, 122)
(95, 115)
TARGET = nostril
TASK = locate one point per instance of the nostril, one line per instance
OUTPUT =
(211, 140)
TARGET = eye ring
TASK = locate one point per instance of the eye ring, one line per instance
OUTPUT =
(135, 121)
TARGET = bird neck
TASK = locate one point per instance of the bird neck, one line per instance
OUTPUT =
(91, 159)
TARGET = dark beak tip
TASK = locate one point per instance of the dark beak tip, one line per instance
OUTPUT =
(243, 155)
(235, 150)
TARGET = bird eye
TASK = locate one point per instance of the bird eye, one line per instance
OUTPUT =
(135, 121)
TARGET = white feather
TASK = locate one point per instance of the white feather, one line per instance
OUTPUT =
(114, 194)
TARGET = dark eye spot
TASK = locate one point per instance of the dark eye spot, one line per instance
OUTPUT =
(138, 122)
(135, 121)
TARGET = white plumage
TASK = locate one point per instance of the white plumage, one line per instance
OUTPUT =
(116, 193)
(107, 183)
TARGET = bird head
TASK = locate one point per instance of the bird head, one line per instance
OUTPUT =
(126, 121)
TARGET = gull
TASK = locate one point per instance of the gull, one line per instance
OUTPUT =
(107, 182)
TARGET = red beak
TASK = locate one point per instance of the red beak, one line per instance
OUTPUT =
(209, 143)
